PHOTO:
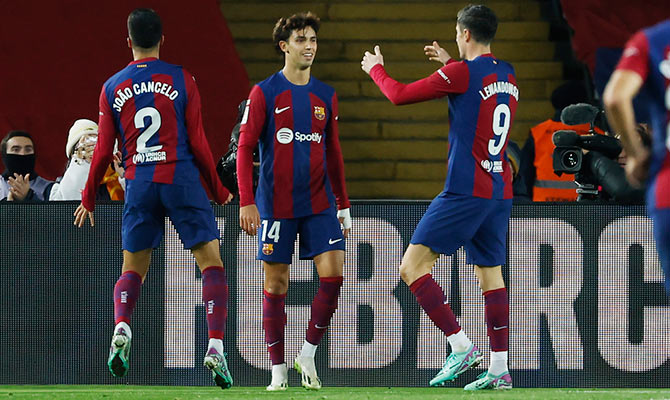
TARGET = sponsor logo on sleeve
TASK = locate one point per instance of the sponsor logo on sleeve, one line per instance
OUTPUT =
(629, 52)
(443, 75)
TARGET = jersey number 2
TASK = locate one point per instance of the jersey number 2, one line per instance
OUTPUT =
(150, 130)
(501, 121)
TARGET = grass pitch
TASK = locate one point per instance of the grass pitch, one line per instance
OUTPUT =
(126, 392)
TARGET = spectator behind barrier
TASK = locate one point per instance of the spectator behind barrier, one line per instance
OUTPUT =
(536, 161)
(82, 137)
(19, 181)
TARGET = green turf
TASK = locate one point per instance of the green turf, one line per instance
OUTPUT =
(125, 392)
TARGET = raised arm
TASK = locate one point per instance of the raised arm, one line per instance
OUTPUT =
(451, 78)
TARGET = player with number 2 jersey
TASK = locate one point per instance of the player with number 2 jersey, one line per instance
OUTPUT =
(153, 109)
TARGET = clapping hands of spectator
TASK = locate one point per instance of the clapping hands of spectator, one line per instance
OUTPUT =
(19, 186)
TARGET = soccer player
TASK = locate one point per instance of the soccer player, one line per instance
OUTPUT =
(474, 208)
(154, 109)
(645, 65)
(293, 118)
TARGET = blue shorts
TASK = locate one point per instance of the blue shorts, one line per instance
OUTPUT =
(148, 203)
(455, 220)
(661, 220)
(319, 233)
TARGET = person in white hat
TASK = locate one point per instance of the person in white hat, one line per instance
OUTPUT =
(81, 141)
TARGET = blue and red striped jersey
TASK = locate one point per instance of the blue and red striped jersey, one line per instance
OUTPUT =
(296, 128)
(154, 109)
(648, 54)
(483, 96)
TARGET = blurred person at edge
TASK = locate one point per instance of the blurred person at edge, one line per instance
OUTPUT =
(19, 181)
(82, 137)
(645, 66)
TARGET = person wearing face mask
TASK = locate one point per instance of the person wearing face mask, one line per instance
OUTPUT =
(19, 181)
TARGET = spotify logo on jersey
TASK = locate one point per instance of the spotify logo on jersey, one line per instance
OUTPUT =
(284, 135)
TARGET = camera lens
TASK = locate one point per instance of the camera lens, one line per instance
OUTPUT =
(570, 159)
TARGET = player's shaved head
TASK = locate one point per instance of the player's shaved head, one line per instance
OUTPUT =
(145, 28)
(299, 21)
(480, 20)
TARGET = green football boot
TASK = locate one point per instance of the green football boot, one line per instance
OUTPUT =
(119, 352)
(487, 381)
(216, 363)
(456, 364)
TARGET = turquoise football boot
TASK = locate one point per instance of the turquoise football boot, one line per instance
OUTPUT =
(456, 364)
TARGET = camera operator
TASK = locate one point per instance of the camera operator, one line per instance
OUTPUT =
(226, 168)
(593, 158)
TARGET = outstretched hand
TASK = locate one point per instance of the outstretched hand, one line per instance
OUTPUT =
(436, 53)
(370, 60)
(80, 215)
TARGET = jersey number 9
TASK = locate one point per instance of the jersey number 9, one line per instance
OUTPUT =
(501, 121)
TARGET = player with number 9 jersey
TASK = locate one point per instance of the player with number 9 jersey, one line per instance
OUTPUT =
(483, 97)
(474, 208)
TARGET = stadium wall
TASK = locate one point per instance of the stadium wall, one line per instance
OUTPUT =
(56, 55)
(587, 304)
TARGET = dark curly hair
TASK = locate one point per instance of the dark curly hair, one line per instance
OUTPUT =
(299, 21)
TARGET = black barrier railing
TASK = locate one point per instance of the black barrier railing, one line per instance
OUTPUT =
(587, 303)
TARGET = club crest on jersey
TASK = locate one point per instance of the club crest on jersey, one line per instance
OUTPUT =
(268, 248)
(319, 113)
(492, 166)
